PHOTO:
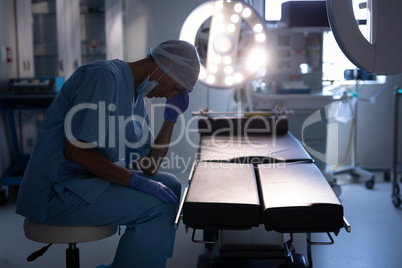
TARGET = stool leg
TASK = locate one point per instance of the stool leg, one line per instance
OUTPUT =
(72, 256)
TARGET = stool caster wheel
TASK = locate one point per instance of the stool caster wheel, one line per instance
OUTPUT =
(370, 184)
(395, 196)
(396, 201)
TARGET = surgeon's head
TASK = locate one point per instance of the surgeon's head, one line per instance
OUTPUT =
(178, 68)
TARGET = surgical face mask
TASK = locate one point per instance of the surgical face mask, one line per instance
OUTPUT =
(146, 86)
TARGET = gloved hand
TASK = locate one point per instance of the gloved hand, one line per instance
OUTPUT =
(155, 188)
(176, 106)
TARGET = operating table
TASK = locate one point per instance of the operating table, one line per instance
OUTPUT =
(252, 186)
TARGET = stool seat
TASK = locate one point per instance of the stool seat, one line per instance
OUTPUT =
(46, 233)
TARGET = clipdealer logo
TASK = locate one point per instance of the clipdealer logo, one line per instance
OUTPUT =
(112, 132)
(332, 126)
(111, 126)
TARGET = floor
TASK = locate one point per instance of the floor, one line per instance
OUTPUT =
(375, 240)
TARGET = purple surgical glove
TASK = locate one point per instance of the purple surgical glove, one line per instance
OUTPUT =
(152, 187)
(176, 106)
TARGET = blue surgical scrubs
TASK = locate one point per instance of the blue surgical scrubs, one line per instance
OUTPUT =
(97, 104)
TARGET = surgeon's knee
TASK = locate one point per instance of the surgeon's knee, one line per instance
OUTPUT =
(174, 184)
(167, 179)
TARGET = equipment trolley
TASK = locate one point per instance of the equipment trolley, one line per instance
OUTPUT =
(396, 166)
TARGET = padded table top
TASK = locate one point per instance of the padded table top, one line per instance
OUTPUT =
(225, 148)
(286, 197)
(297, 197)
(222, 194)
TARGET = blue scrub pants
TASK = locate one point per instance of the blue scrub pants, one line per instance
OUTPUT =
(149, 237)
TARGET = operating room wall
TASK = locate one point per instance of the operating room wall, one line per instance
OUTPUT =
(7, 71)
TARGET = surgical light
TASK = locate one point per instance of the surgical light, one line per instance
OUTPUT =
(219, 5)
(203, 75)
(217, 59)
(246, 12)
(238, 7)
(210, 79)
(224, 44)
(231, 28)
(213, 68)
(219, 17)
(260, 37)
(209, 9)
(229, 80)
(220, 27)
(216, 28)
(238, 77)
(256, 59)
(227, 60)
(257, 28)
(235, 18)
(228, 69)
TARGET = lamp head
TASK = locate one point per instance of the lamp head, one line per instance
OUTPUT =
(232, 42)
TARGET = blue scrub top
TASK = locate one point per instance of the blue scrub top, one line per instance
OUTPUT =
(96, 104)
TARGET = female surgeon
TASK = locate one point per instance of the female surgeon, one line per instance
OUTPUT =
(99, 117)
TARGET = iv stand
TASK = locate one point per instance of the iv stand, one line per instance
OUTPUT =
(354, 170)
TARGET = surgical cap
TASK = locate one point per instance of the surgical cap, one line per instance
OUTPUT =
(180, 60)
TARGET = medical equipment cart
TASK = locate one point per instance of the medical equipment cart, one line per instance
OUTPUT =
(396, 167)
(9, 104)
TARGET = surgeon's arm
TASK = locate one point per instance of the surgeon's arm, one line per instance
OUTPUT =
(94, 162)
(100, 166)
(173, 108)
(150, 163)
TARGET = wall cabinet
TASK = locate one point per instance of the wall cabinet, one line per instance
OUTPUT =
(57, 36)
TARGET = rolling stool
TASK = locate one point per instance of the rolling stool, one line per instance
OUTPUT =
(71, 235)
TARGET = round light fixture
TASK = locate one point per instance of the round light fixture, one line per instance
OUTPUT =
(216, 29)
